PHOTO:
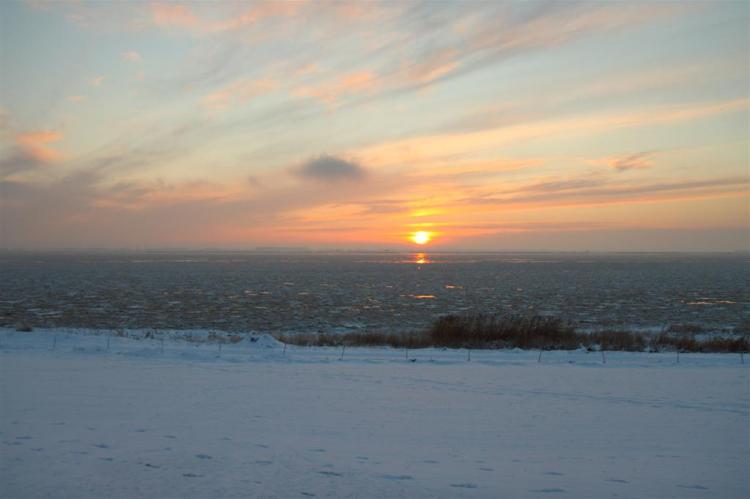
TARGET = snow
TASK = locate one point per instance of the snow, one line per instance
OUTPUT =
(182, 418)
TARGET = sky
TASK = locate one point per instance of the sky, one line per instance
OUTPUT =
(545, 126)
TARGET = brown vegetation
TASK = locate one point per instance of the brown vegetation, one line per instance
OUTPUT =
(537, 332)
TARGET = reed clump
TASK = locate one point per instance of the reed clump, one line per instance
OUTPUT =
(492, 331)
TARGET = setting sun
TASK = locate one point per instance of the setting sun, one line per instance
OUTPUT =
(421, 237)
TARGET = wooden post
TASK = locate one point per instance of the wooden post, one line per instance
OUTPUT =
(54, 342)
(161, 340)
(343, 349)
(108, 343)
(539, 359)
(284, 352)
(468, 355)
(604, 358)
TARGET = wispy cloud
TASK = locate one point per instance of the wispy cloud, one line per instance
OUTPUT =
(170, 15)
(238, 93)
(132, 56)
(637, 161)
(36, 145)
(359, 82)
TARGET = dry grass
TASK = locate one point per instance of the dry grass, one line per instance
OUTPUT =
(368, 339)
(536, 332)
(491, 331)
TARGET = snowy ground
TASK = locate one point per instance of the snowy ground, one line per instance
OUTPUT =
(146, 419)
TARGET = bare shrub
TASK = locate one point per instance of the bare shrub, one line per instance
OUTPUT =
(484, 330)
(618, 340)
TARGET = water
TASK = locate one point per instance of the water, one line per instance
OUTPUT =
(368, 291)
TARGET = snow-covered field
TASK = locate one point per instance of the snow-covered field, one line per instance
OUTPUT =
(146, 418)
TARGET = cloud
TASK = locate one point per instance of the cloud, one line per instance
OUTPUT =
(600, 192)
(35, 145)
(238, 92)
(636, 161)
(173, 15)
(132, 56)
(327, 168)
(17, 162)
(358, 82)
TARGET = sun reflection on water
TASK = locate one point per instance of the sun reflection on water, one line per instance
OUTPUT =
(421, 259)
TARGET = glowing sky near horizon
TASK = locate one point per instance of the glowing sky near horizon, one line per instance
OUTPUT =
(493, 126)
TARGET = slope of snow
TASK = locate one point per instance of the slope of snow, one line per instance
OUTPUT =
(171, 418)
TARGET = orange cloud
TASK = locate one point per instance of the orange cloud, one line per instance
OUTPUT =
(132, 56)
(169, 15)
(435, 66)
(241, 92)
(352, 83)
(259, 12)
(35, 145)
(432, 147)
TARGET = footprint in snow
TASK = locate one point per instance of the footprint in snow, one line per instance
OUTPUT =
(149, 465)
(169, 436)
(616, 480)
(330, 473)
(553, 473)
(307, 494)
(548, 491)
(25, 437)
(694, 487)
(191, 475)
(102, 446)
(430, 461)
(396, 477)
(316, 450)
(464, 485)
(38, 449)
(203, 456)
(264, 462)
(487, 469)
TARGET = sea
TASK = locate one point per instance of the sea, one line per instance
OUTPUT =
(338, 292)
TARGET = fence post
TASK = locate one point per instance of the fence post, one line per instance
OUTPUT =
(108, 343)
(54, 342)
(539, 359)
(343, 349)
(161, 340)
(604, 358)
(468, 355)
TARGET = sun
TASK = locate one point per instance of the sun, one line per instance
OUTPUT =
(421, 237)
